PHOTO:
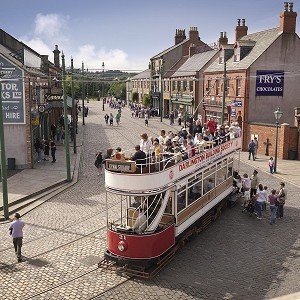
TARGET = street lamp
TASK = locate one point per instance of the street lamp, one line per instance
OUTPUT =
(103, 86)
(277, 113)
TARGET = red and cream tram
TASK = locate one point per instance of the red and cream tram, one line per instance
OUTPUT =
(153, 207)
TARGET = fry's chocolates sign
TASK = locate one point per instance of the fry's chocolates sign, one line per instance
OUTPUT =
(269, 83)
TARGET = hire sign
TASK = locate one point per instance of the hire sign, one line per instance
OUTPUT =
(269, 83)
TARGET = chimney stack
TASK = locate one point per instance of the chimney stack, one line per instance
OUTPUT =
(192, 50)
(56, 57)
(288, 18)
(240, 30)
(179, 36)
(194, 34)
(223, 39)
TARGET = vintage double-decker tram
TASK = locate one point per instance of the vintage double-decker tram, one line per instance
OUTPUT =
(161, 204)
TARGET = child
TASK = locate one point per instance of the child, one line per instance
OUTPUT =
(146, 119)
(271, 165)
(157, 151)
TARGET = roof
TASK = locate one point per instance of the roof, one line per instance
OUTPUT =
(195, 63)
(169, 49)
(263, 41)
(146, 74)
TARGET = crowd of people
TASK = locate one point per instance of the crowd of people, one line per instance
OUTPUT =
(256, 196)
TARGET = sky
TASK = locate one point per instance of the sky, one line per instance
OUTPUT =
(126, 34)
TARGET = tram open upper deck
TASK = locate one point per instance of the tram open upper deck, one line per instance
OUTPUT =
(165, 198)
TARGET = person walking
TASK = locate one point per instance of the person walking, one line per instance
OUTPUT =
(273, 208)
(282, 196)
(38, 145)
(271, 165)
(111, 120)
(146, 119)
(251, 150)
(256, 147)
(53, 150)
(254, 183)
(98, 163)
(106, 117)
(16, 232)
(46, 150)
(118, 118)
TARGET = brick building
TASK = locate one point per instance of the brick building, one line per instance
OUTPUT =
(26, 83)
(261, 71)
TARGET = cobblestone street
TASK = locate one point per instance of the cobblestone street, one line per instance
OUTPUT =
(237, 257)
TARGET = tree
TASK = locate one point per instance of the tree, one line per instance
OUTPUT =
(135, 96)
(146, 100)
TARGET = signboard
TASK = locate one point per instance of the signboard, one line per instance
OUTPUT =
(233, 112)
(269, 83)
(12, 92)
(120, 166)
(54, 98)
(237, 103)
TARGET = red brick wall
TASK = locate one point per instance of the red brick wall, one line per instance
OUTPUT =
(287, 139)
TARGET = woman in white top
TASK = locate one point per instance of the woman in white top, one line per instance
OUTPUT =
(145, 144)
(262, 197)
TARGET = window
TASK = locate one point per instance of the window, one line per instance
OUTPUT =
(238, 87)
(237, 54)
(179, 85)
(217, 87)
(208, 87)
(191, 86)
(184, 85)
(174, 85)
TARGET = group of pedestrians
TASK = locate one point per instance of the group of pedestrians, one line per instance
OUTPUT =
(256, 197)
(45, 147)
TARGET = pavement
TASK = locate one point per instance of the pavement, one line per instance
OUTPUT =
(236, 257)
(28, 188)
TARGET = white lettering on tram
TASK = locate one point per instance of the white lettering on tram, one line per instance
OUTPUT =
(205, 156)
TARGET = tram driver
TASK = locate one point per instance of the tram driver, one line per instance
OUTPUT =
(140, 224)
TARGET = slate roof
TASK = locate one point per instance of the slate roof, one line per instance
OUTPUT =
(263, 41)
(143, 75)
(169, 49)
(194, 63)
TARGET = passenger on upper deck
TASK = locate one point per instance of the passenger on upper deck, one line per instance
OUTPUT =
(139, 157)
(145, 144)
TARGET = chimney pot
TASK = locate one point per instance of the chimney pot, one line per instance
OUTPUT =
(241, 30)
(243, 22)
(238, 22)
(288, 19)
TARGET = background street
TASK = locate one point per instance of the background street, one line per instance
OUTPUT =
(237, 257)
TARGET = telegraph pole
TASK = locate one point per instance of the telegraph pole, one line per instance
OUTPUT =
(67, 146)
(73, 108)
(224, 92)
(82, 70)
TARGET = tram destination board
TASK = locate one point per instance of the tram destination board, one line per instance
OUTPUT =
(121, 166)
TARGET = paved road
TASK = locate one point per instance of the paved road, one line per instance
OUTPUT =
(237, 257)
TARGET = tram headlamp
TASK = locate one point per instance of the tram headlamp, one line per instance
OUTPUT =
(122, 246)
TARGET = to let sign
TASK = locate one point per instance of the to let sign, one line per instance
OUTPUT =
(12, 93)
(269, 83)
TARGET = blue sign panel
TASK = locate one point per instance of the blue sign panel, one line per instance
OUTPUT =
(269, 83)
(233, 112)
(237, 103)
(12, 92)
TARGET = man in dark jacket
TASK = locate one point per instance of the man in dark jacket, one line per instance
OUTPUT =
(251, 149)
(139, 157)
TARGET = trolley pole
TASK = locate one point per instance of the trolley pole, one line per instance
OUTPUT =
(73, 108)
(66, 118)
(3, 160)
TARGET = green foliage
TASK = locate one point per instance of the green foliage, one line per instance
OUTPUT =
(146, 100)
(135, 96)
(118, 89)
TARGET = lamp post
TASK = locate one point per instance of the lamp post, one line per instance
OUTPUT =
(224, 93)
(103, 86)
(278, 113)
(66, 119)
